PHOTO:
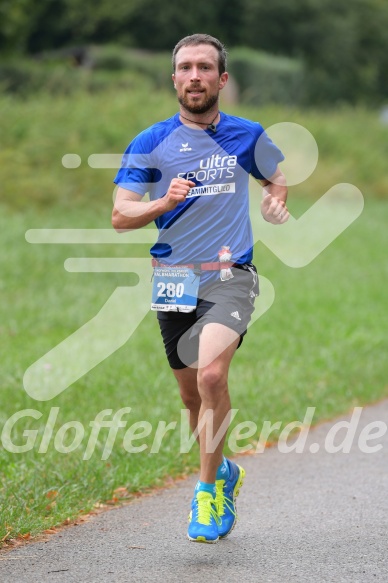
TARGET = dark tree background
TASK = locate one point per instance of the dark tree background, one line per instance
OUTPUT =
(343, 44)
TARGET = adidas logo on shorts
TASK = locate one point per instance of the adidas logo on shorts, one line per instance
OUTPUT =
(236, 315)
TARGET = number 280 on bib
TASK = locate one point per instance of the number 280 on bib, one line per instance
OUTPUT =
(174, 289)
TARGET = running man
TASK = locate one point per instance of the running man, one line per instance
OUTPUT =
(195, 167)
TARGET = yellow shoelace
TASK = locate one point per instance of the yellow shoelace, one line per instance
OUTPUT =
(223, 501)
(206, 508)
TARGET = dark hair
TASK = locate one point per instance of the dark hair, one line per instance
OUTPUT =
(202, 39)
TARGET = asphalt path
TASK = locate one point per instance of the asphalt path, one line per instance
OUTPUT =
(315, 516)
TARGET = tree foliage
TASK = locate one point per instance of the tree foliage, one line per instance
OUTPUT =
(344, 45)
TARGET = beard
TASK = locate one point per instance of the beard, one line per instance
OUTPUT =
(200, 108)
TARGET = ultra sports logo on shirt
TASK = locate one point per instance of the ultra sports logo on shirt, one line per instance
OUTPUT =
(215, 167)
(212, 168)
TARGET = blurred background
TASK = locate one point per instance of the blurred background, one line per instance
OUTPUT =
(84, 77)
(304, 52)
(102, 69)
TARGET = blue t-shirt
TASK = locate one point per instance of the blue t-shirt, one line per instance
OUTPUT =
(216, 211)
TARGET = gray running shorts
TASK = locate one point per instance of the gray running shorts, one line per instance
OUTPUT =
(230, 303)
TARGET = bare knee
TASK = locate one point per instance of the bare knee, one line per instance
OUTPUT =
(212, 380)
(190, 397)
(187, 382)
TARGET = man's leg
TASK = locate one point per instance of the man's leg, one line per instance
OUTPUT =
(188, 387)
(205, 393)
(212, 377)
(217, 346)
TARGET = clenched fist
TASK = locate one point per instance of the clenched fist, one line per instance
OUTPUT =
(177, 192)
(274, 210)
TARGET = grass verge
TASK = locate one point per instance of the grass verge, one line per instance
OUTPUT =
(322, 343)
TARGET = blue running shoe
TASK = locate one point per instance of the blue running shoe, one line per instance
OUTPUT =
(203, 527)
(226, 494)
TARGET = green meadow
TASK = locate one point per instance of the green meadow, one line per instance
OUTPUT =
(322, 344)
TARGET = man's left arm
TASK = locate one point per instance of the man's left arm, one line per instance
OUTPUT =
(273, 205)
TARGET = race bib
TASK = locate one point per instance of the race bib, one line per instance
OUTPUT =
(175, 289)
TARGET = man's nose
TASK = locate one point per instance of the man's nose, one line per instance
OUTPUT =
(194, 74)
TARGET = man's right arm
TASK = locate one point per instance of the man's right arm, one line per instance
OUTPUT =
(130, 212)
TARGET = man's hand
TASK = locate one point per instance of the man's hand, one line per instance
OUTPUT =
(177, 192)
(274, 209)
(273, 205)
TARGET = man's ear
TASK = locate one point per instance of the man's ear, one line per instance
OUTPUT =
(173, 79)
(223, 79)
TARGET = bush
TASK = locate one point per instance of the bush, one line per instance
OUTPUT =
(156, 66)
(20, 76)
(24, 77)
(61, 72)
(264, 79)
